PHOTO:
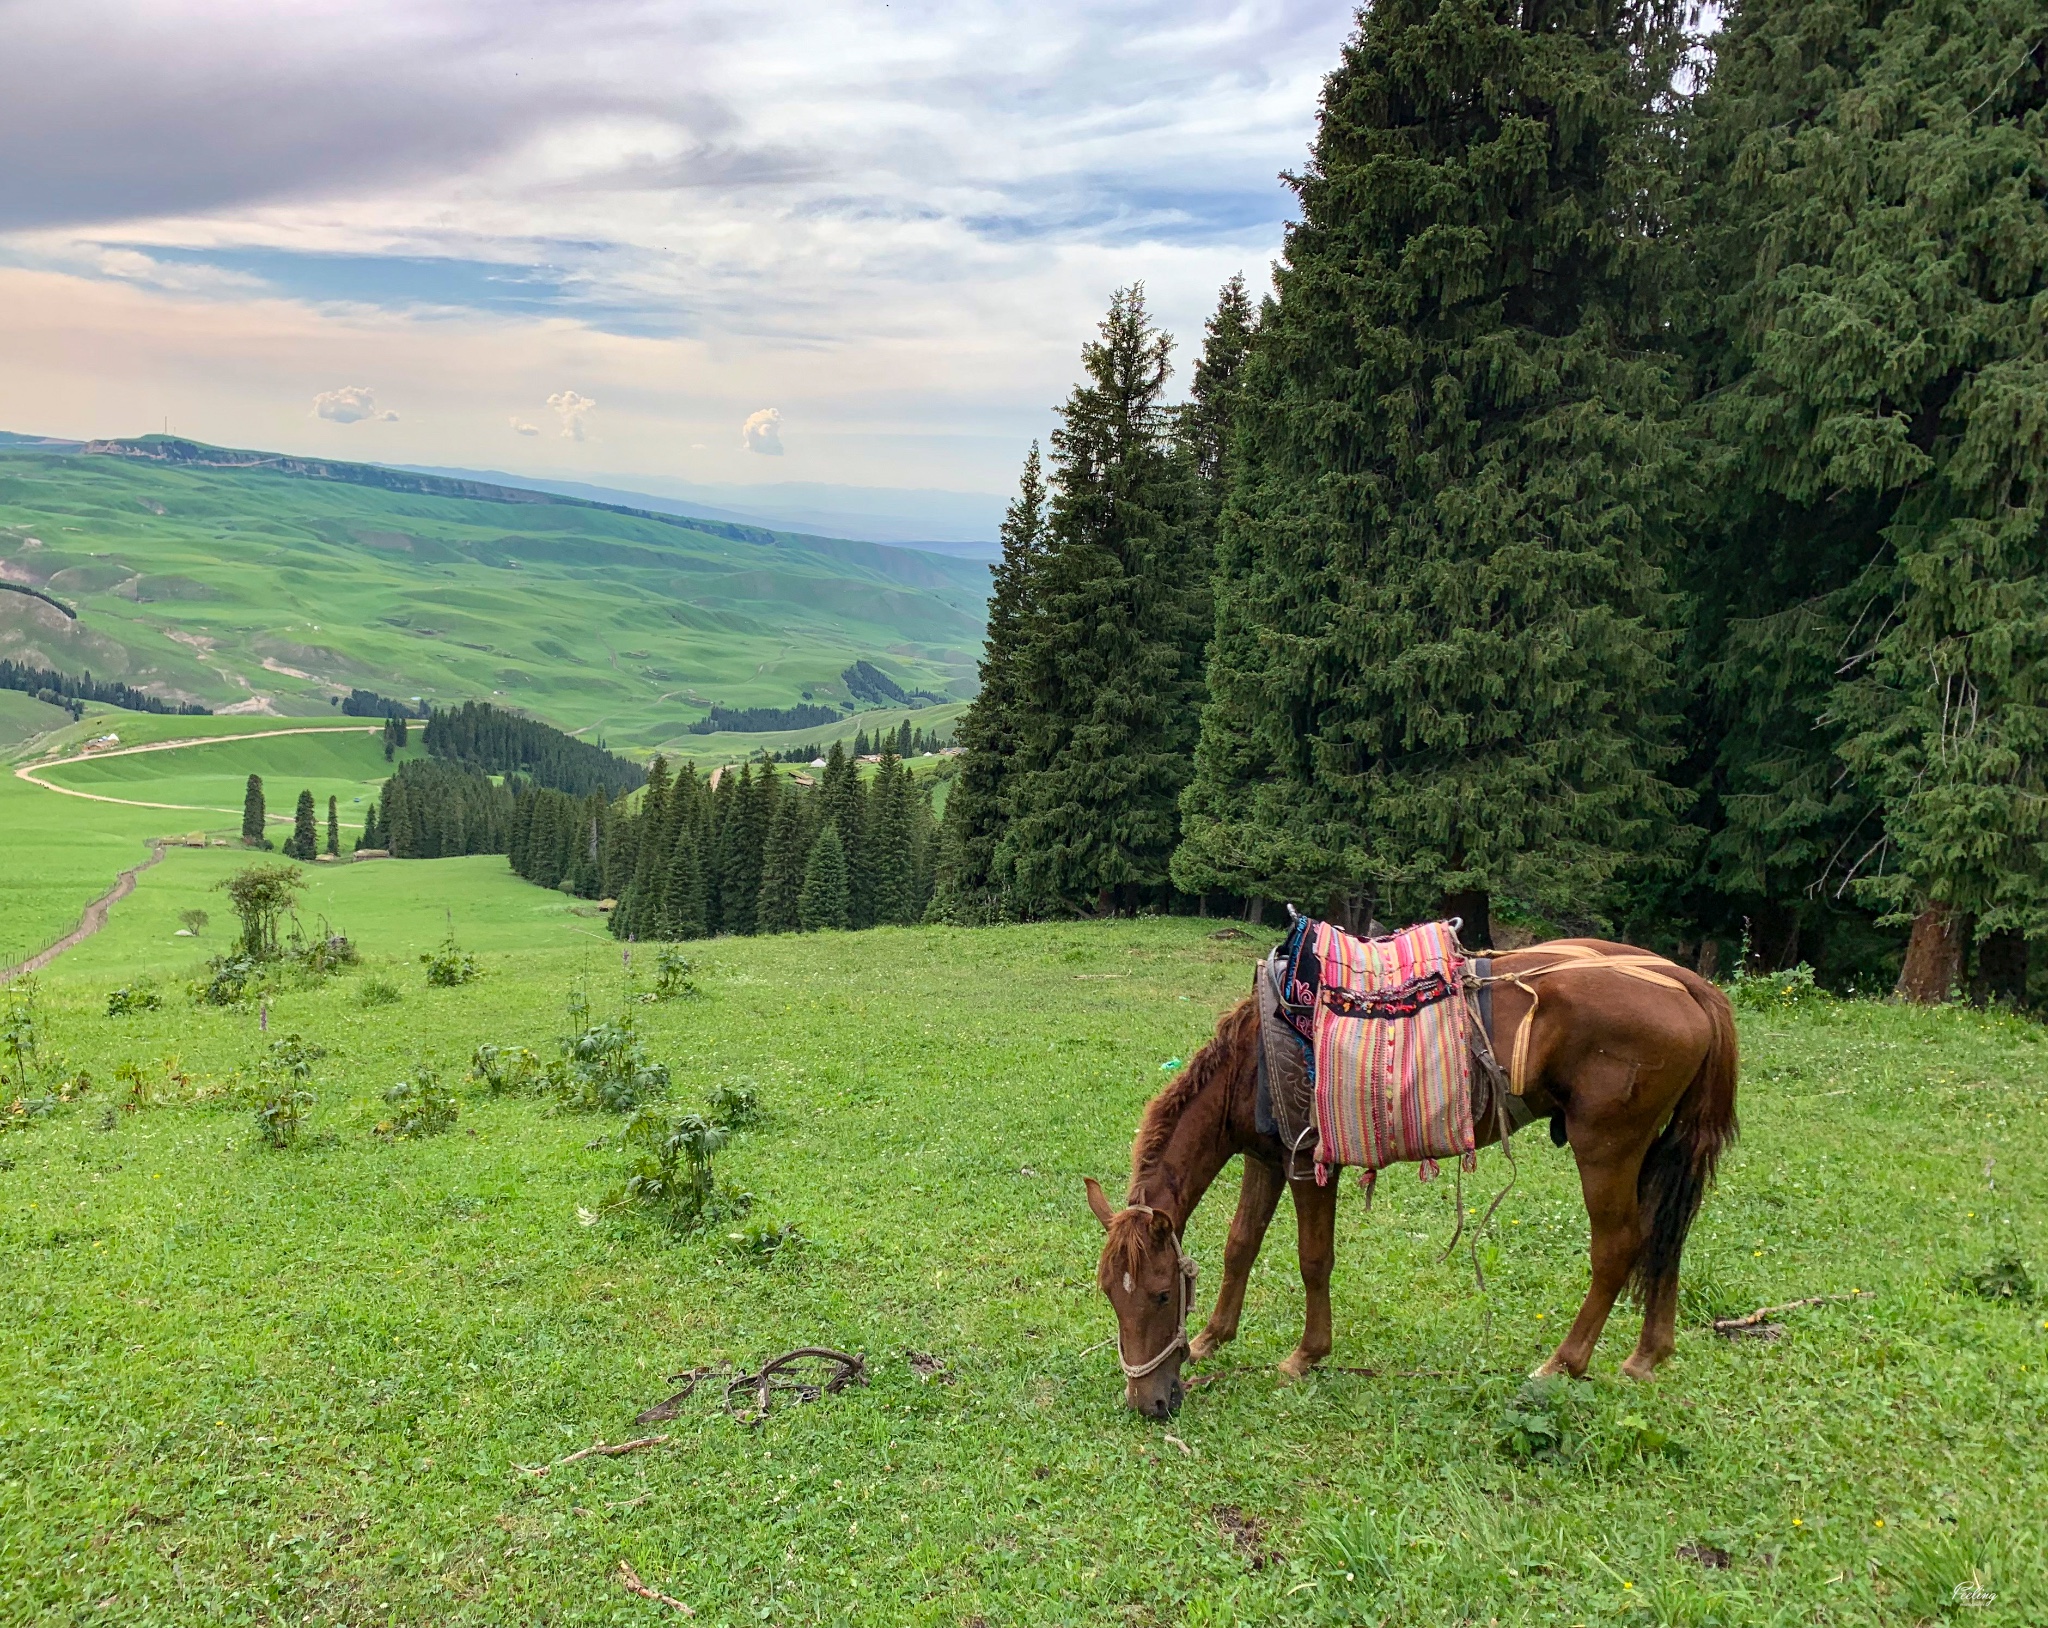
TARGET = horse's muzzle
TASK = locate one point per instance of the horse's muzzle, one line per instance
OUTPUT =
(1155, 1400)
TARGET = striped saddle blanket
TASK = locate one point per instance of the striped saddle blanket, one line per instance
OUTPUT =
(1384, 1029)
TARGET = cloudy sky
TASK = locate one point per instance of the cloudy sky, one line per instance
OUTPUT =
(839, 241)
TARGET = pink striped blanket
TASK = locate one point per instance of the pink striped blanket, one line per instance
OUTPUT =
(1393, 1064)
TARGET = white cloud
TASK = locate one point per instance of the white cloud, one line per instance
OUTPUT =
(762, 432)
(351, 404)
(571, 409)
(521, 427)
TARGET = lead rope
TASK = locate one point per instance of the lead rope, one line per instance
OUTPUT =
(1481, 1044)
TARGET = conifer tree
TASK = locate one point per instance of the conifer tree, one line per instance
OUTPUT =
(976, 808)
(1110, 659)
(842, 804)
(373, 837)
(334, 827)
(783, 866)
(1880, 387)
(639, 910)
(1206, 419)
(824, 900)
(887, 851)
(305, 838)
(253, 811)
(1439, 668)
(397, 822)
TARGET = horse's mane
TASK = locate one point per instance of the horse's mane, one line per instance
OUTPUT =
(1223, 1051)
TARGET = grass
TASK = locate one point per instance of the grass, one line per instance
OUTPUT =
(23, 718)
(228, 586)
(246, 1386)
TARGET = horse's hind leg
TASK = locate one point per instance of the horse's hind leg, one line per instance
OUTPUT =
(1256, 1200)
(1609, 1185)
(1660, 1328)
(1315, 1220)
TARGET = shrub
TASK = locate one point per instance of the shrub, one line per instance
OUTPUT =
(420, 1106)
(672, 978)
(2006, 1278)
(281, 1081)
(763, 1241)
(194, 920)
(450, 965)
(18, 1053)
(1536, 1426)
(735, 1107)
(1787, 991)
(606, 1068)
(378, 992)
(499, 1069)
(260, 895)
(128, 999)
(669, 1176)
(227, 983)
(324, 954)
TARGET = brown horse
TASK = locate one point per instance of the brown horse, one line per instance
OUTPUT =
(1637, 1074)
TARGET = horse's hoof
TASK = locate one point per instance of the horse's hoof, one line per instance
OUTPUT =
(1554, 1367)
(1205, 1345)
(1298, 1366)
(1641, 1367)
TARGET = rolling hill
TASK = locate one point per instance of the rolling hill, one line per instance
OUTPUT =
(256, 583)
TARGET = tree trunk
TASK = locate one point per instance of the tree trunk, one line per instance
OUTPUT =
(1934, 957)
(1710, 959)
(1774, 940)
(1255, 910)
(1475, 909)
(2001, 969)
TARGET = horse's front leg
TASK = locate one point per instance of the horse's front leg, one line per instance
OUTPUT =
(1315, 1221)
(1256, 1200)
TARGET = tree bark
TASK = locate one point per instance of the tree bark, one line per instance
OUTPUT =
(1255, 909)
(1934, 957)
(1475, 908)
(2001, 969)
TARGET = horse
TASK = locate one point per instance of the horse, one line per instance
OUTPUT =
(1637, 1074)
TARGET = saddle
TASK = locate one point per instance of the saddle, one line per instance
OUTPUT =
(1367, 1049)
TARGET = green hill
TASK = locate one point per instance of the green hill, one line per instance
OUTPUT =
(271, 584)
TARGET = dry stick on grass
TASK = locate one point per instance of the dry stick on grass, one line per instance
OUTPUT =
(774, 1376)
(1763, 1314)
(629, 1580)
(596, 1448)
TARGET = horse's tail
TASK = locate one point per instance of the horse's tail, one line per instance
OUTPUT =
(1679, 1168)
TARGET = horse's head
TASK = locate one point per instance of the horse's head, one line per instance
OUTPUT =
(1150, 1281)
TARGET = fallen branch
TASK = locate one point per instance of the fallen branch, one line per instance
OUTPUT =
(774, 1376)
(629, 1580)
(1186, 1450)
(1757, 1321)
(595, 1449)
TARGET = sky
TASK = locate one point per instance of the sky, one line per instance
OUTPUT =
(836, 242)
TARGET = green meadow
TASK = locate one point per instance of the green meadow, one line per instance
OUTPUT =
(244, 1385)
(255, 587)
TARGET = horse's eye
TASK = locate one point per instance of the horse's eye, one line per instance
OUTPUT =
(1160, 1298)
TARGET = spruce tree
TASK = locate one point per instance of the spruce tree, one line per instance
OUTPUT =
(334, 827)
(1440, 668)
(824, 900)
(372, 837)
(1110, 657)
(397, 822)
(305, 837)
(1880, 383)
(887, 849)
(1207, 418)
(976, 809)
(253, 812)
(639, 910)
(842, 804)
(783, 865)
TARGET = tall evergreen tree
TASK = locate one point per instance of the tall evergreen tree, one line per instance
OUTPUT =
(888, 849)
(1438, 664)
(1872, 209)
(843, 804)
(253, 811)
(1110, 658)
(334, 827)
(305, 838)
(782, 870)
(1207, 418)
(987, 734)
(826, 897)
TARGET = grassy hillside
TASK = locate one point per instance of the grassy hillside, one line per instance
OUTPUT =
(261, 587)
(249, 1387)
(23, 718)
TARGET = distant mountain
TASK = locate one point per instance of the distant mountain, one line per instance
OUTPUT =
(263, 581)
(963, 525)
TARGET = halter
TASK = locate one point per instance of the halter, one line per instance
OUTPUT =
(1184, 1282)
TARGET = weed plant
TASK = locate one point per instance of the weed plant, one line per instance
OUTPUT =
(121, 1002)
(606, 1069)
(669, 1176)
(420, 1106)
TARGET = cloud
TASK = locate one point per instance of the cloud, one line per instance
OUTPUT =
(571, 409)
(521, 427)
(762, 432)
(351, 404)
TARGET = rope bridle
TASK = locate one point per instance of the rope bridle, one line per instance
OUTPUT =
(1184, 1285)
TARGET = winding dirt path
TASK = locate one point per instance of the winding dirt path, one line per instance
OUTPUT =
(31, 771)
(92, 921)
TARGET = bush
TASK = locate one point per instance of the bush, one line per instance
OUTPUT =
(227, 983)
(283, 1100)
(2006, 1278)
(672, 978)
(450, 965)
(500, 1069)
(669, 1176)
(1788, 991)
(1537, 1424)
(132, 999)
(606, 1068)
(378, 992)
(325, 954)
(421, 1106)
(735, 1107)
(763, 1241)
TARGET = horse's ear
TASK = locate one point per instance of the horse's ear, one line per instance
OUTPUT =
(1098, 1201)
